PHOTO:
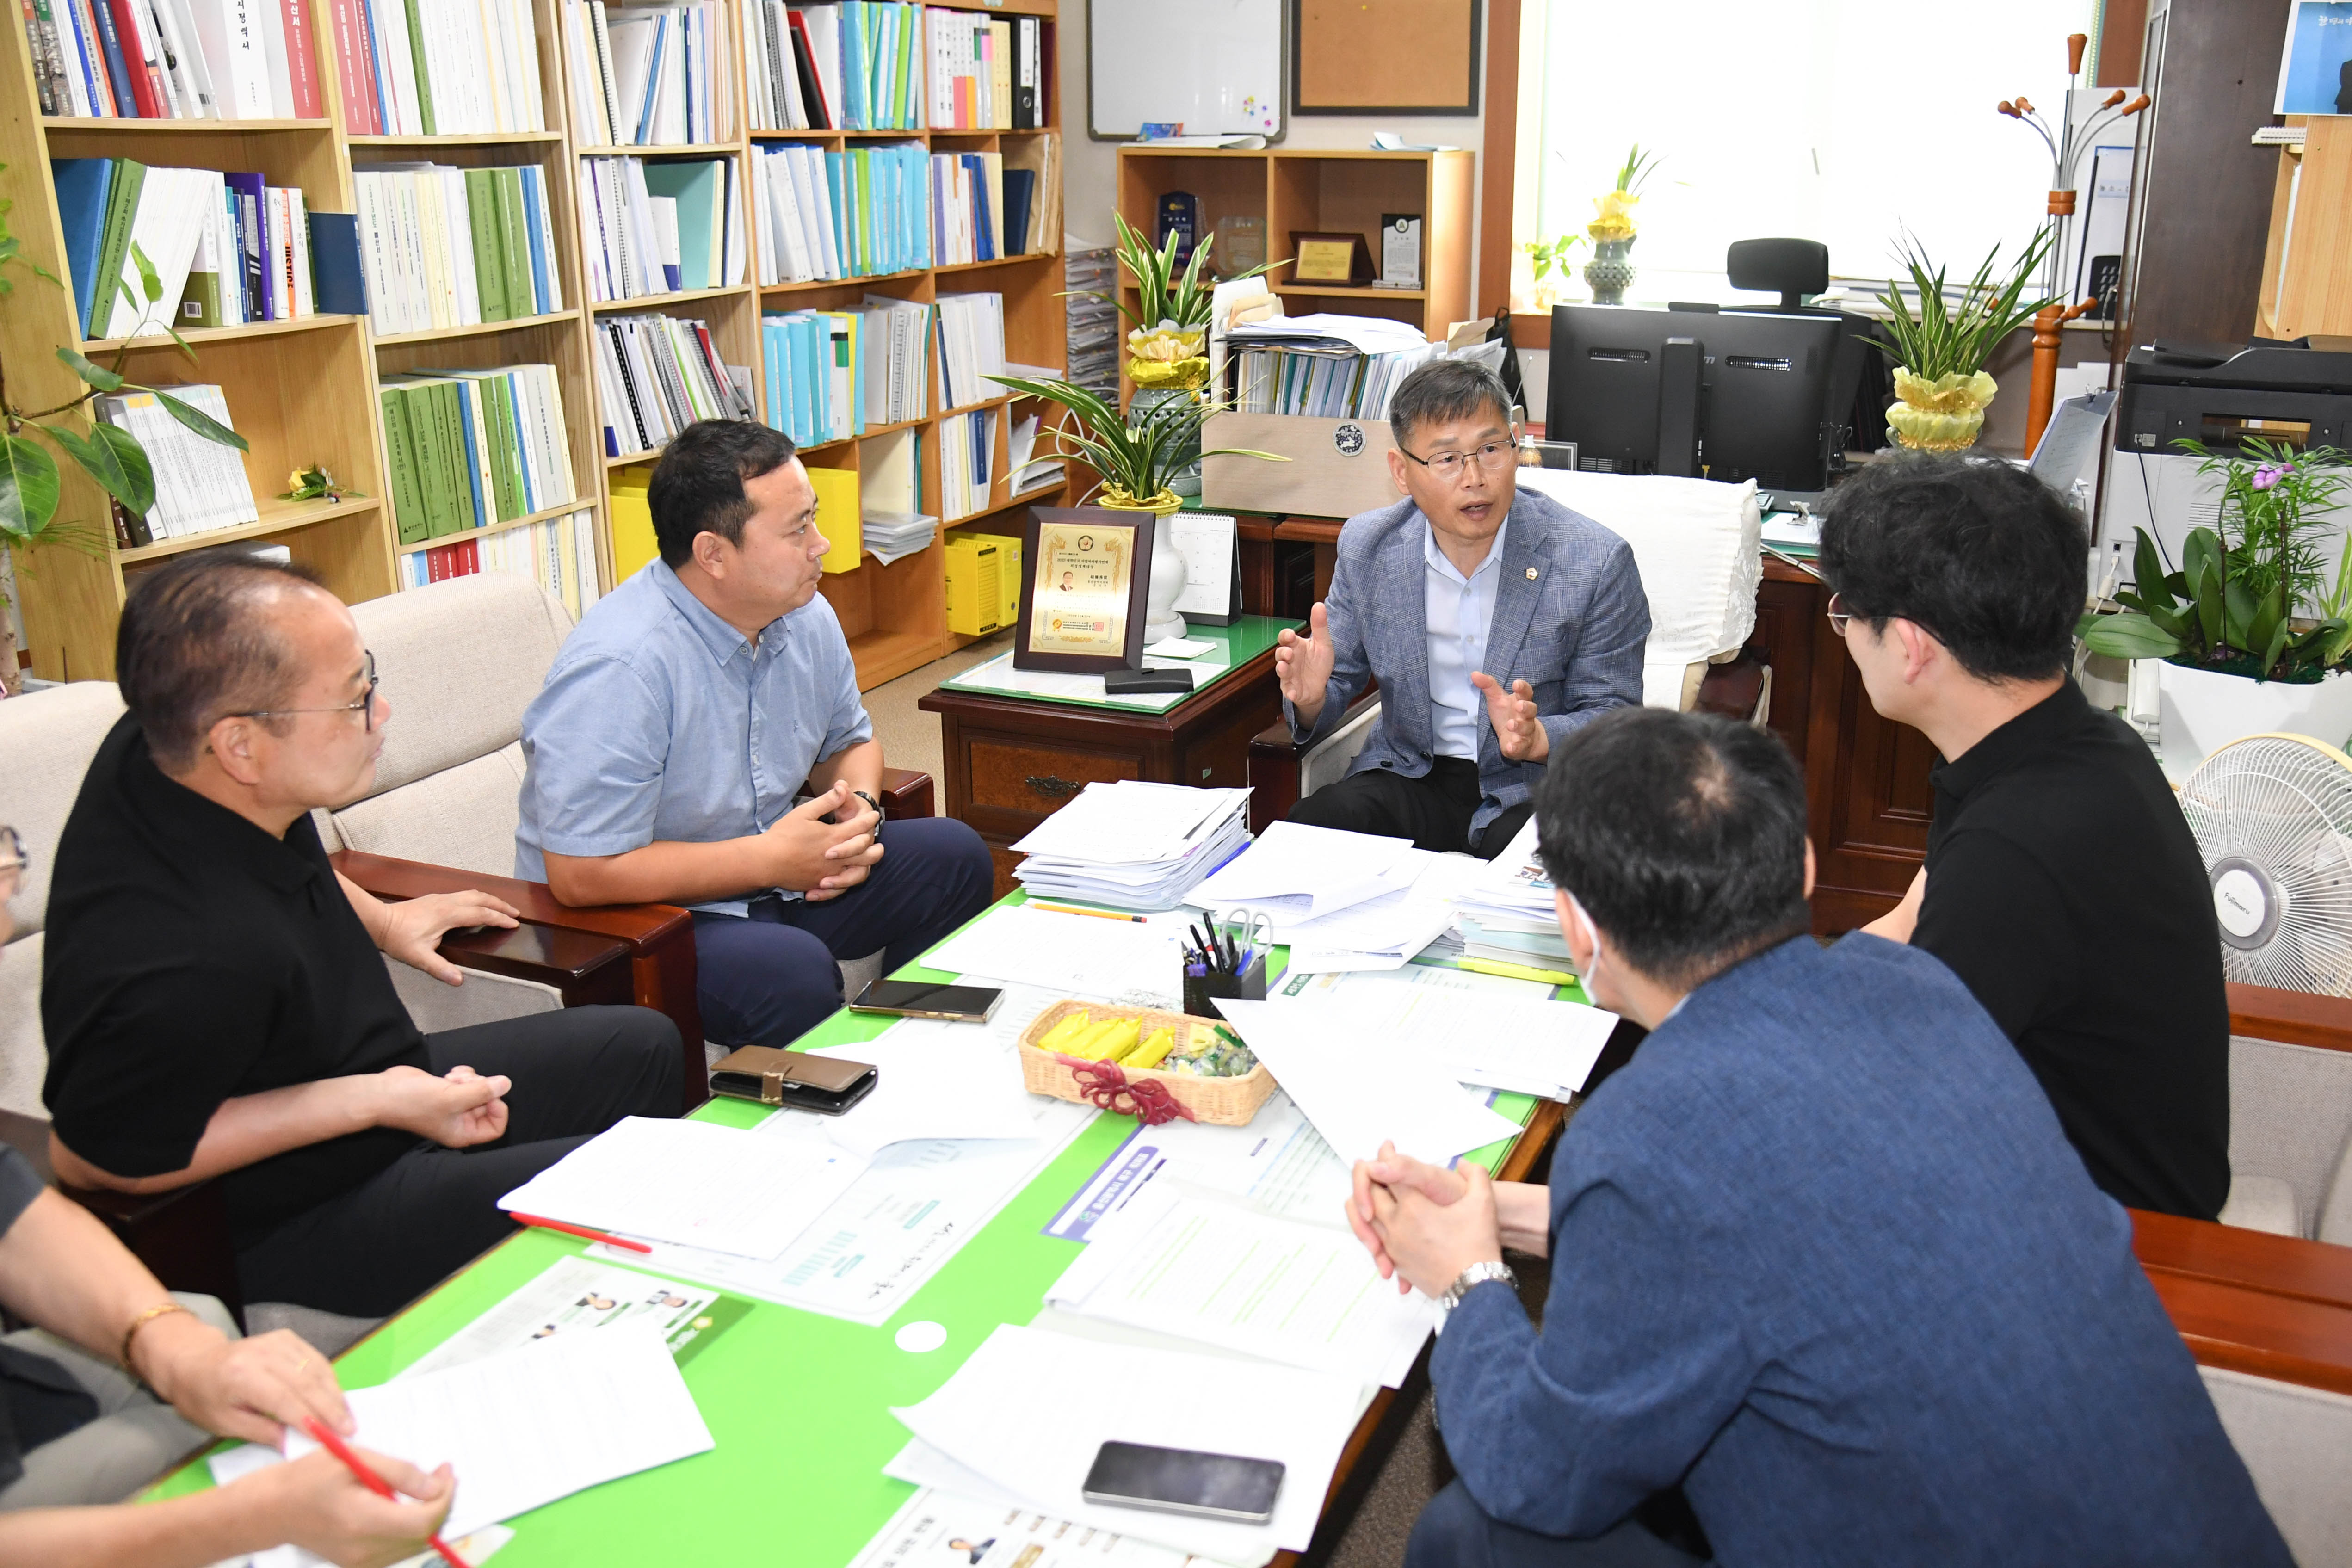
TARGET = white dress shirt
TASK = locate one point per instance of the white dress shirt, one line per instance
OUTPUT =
(1460, 609)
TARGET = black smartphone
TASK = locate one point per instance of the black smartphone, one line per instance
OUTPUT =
(929, 999)
(1184, 1480)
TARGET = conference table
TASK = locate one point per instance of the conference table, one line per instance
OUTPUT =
(799, 1403)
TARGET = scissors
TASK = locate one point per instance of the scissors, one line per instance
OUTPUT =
(1251, 931)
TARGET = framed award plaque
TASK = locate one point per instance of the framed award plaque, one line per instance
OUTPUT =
(1086, 590)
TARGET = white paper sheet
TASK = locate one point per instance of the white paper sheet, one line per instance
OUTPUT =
(921, 1465)
(570, 1295)
(1440, 977)
(940, 1530)
(1127, 821)
(1204, 1267)
(1179, 648)
(1028, 1412)
(693, 1183)
(527, 1426)
(1109, 961)
(1298, 873)
(1531, 1045)
(1278, 1163)
(1362, 1087)
(938, 1079)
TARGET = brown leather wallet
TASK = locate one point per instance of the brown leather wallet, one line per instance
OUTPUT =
(829, 1085)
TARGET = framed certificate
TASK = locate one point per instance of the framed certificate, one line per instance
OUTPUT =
(1085, 594)
(1330, 258)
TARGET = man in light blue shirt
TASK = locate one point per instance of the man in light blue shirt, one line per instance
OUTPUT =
(687, 712)
(1496, 623)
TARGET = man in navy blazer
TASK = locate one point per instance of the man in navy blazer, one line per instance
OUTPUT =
(1495, 622)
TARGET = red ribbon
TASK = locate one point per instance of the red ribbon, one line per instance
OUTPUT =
(1106, 1085)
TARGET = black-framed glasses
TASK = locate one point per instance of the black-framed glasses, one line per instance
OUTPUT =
(364, 707)
(1492, 458)
(15, 858)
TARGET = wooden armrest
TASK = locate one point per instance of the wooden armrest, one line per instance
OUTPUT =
(552, 956)
(906, 792)
(2254, 1331)
(1274, 763)
(2281, 1265)
(181, 1235)
(1733, 688)
(2294, 1017)
(639, 925)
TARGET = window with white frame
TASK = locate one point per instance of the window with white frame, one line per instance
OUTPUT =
(1851, 122)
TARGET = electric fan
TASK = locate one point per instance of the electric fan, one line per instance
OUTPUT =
(2271, 814)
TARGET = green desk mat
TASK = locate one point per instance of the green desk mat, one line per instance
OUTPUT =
(799, 1404)
(1243, 640)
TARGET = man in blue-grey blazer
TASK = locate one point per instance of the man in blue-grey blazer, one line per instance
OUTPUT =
(1495, 622)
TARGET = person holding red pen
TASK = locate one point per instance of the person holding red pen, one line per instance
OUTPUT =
(107, 1326)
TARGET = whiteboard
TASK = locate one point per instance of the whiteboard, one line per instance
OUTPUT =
(1214, 66)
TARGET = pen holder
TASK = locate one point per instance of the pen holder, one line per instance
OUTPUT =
(1204, 987)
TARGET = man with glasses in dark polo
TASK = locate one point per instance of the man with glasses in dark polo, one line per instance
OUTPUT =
(1496, 622)
(213, 991)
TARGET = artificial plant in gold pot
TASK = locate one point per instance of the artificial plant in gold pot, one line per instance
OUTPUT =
(1941, 388)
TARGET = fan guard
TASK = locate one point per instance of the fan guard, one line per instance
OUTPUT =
(2271, 813)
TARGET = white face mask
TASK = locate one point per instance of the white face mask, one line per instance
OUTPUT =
(1592, 935)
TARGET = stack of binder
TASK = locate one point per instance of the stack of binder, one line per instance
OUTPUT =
(859, 214)
(855, 66)
(987, 74)
(650, 75)
(1507, 916)
(1090, 277)
(444, 246)
(635, 249)
(658, 374)
(971, 349)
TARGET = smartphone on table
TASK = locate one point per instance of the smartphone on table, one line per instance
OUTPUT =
(1184, 1480)
(929, 999)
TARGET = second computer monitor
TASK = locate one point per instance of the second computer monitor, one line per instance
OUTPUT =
(1750, 390)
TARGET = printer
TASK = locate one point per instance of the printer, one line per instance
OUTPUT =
(2297, 394)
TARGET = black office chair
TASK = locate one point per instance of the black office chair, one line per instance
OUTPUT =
(1791, 269)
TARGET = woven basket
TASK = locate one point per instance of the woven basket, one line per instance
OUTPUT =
(1225, 1101)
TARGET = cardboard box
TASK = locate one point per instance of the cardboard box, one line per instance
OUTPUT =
(1338, 467)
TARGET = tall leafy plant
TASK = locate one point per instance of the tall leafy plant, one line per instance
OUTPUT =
(1948, 337)
(1138, 455)
(29, 477)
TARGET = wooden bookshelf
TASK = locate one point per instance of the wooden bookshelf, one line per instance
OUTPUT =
(1327, 192)
(304, 391)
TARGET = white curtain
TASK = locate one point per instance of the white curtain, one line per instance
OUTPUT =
(1848, 122)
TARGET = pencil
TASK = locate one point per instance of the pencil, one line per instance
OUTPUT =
(327, 1440)
(607, 1236)
(1098, 914)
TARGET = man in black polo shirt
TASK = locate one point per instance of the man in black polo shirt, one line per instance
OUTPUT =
(214, 997)
(2061, 883)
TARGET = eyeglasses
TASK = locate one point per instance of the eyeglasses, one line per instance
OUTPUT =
(364, 707)
(1492, 458)
(1838, 618)
(14, 857)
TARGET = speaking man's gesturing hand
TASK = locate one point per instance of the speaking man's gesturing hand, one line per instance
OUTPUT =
(1303, 664)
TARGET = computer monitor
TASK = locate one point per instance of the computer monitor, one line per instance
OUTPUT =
(1735, 394)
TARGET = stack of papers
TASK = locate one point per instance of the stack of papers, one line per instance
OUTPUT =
(1344, 901)
(891, 534)
(1203, 1266)
(1329, 334)
(1022, 1418)
(697, 1184)
(1530, 1045)
(1134, 846)
(1508, 916)
(1362, 1086)
(936, 1080)
(1029, 470)
(1095, 959)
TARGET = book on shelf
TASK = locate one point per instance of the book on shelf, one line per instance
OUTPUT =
(650, 75)
(174, 59)
(658, 374)
(891, 521)
(857, 65)
(227, 248)
(622, 231)
(471, 448)
(437, 68)
(987, 73)
(444, 246)
(831, 374)
(1033, 195)
(967, 202)
(559, 553)
(972, 348)
(862, 213)
(1325, 385)
(967, 452)
(200, 485)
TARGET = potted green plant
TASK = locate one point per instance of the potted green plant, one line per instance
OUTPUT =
(1611, 272)
(1941, 388)
(29, 478)
(2239, 658)
(1543, 256)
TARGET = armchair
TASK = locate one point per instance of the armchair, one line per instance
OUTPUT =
(1697, 544)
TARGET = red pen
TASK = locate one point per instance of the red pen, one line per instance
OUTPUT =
(607, 1236)
(327, 1440)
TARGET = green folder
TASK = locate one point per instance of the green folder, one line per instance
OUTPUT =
(695, 186)
(408, 501)
(114, 248)
(514, 243)
(489, 265)
(423, 76)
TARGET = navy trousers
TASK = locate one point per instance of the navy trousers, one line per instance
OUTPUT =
(1454, 1532)
(767, 978)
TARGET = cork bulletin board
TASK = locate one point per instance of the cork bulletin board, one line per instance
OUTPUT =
(1384, 56)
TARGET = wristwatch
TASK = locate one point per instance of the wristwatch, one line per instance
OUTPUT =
(868, 800)
(1469, 1280)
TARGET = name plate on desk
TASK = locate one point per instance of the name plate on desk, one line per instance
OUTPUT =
(1085, 594)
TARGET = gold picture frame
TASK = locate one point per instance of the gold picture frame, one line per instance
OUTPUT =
(1340, 258)
(1086, 590)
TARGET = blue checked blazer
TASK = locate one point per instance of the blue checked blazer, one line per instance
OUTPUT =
(1571, 620)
